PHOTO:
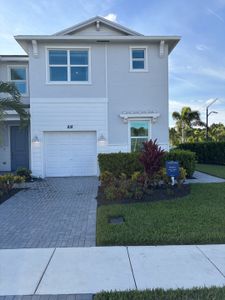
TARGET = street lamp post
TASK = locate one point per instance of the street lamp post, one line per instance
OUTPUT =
(207, 117)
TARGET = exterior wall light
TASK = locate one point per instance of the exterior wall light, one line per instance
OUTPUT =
(35, 140)
(102, 140)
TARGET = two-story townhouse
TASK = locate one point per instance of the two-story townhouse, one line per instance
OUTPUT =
(95, 87)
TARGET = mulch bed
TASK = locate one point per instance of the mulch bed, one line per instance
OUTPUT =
(157, 194)
(5, 197)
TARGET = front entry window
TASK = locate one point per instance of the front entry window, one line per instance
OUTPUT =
(139, 133)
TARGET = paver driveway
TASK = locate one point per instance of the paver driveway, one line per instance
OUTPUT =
(56, 212)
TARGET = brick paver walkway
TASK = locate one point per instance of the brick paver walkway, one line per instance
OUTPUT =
(56, 212)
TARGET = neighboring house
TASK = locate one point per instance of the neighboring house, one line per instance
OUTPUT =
(95, 87)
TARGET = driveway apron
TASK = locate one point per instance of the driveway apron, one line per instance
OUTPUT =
(55, 212)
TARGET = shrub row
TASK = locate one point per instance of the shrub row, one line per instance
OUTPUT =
(186, 158)
(208, 152)
(128, 163)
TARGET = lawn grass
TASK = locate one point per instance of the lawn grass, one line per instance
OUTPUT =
(195, 219)
(215, 170)
(213, 293)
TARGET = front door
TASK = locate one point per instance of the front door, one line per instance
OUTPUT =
(19, 147)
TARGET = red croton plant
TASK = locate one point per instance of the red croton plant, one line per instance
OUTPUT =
(151, 157)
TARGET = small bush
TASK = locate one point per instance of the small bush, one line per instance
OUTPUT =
(8, 181)
(208, 152)
(24, 172)
(118, 163)
(186, 159)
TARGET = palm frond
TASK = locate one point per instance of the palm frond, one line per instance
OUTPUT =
(10, 100)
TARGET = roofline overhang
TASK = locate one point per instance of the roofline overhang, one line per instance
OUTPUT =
(23, 40)
(12, 58)
(81, 25)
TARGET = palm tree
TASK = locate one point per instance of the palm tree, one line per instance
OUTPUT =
(10, 100)
(186, 120)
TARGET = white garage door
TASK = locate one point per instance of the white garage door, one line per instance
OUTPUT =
(70, 154)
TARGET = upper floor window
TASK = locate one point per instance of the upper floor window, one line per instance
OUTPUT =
(138, 60)
(18, 75)
(139, 133)
(69, 65)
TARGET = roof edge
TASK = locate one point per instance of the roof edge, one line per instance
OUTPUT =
(94, 19)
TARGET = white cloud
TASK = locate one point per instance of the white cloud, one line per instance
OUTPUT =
(201, 47)
(111, 17)
(213, 13)
(200, 105)
(218, 73)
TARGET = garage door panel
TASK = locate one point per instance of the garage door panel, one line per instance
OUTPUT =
(70, 154)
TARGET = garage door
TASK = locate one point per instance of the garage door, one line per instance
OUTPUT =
(70, 154)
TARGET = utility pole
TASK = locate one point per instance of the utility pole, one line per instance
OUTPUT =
(207, 117)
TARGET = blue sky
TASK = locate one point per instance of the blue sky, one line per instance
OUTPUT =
(197, 65)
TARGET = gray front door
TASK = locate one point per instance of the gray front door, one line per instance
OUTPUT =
(19, 147)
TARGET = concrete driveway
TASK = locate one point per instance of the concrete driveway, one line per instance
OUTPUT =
(56, 212)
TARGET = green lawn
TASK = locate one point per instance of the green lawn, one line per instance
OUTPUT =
(194, 219)
(215, 170)
(158, 294)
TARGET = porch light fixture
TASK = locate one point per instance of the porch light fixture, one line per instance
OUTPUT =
(102, 140)
(35, 139)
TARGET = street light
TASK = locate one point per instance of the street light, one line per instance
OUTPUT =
(207, 117)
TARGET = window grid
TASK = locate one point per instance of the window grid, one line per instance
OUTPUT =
(69, 65)
(19, 80)
(133, 59)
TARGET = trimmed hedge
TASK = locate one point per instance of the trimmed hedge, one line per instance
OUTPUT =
(120, 162)
(129, 163)
(186, 158)
(208, 152)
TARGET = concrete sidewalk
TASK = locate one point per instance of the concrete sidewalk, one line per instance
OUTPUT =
(90, 270)
(200, 177)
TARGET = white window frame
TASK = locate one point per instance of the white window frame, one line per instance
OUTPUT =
(145, 48)
(9, 67)
(129, 130)
(68, 49)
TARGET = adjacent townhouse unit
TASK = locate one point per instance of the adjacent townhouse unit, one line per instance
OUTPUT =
(95, 87)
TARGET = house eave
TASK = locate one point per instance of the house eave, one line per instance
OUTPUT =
(12, 58)
(170, 40)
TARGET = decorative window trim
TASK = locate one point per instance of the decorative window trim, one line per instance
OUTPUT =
(9, 67)
(151, 116)
(129, 130)
(145, 48)
(68, 65)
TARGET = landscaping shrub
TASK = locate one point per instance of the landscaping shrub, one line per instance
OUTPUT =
(24, 172)
(8, 181)
(151, 158)
(208, 152)
(118, 163)
(136, 186)
(187, 159)
(128, 163)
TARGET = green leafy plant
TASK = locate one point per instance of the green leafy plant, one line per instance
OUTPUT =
(24, 172)
(118, 163)
(208, 152)
(8, 181)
